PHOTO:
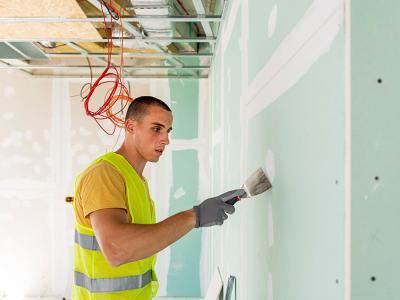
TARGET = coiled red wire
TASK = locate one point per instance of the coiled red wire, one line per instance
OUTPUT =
(118, 93)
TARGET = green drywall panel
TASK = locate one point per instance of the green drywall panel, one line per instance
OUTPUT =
(184, 269)
(304, 130)
(7, 52)
(30, 50)
(261, 47)
(375, 119)
(194, 61)
(184, 94)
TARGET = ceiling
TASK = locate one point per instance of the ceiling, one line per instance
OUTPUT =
(70, 38)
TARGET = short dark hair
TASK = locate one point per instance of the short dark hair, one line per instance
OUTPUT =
(139, 106)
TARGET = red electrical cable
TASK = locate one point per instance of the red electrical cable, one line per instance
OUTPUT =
(110, 75)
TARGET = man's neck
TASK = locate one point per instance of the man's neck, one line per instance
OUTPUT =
(133, 158)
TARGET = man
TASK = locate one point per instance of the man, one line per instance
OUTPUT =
(116, 236)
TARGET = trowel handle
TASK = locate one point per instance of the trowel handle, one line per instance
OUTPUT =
(233, 200)
(234, 196)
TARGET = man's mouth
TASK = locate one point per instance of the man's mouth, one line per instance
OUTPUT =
(159, 151)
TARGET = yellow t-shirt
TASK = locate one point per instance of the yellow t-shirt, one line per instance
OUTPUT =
(101, 186)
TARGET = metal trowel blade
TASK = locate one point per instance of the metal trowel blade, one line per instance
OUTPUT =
(256, 183)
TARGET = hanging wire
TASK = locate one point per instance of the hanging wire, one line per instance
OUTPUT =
(110, 75)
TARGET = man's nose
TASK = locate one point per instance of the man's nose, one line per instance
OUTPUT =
(165, 139)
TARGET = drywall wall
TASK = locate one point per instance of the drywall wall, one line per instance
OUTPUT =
(26, 183)
(46, 140)
(277, 89)
(375, 148)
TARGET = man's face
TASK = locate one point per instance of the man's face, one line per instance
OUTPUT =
(151, 133)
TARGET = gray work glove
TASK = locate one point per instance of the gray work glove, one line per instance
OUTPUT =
(213, 211)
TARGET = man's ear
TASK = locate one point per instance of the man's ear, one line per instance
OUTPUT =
(130, 125)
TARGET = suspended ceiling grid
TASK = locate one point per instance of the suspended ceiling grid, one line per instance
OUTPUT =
(68, 38)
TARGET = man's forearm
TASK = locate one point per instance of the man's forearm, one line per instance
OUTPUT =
(131, 242)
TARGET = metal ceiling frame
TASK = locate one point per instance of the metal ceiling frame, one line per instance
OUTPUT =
(135, 32)
(130, 54)
(198, 4)
(127, 76)
(197, 18)
(143, 39)
(60, 67)
(138, 35)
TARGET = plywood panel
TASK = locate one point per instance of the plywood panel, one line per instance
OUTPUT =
(45, 8)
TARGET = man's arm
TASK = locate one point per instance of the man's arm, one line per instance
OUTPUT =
(122, 242)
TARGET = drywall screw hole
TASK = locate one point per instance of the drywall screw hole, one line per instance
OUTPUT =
(337, 281)
(379, 80)
(336, 181)
(373, 278)
(376, 178)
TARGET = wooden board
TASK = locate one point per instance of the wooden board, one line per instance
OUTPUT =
(44, 8)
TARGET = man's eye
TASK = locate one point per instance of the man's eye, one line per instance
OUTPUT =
(157, 129)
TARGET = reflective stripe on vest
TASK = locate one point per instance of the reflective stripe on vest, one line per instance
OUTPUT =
(108, 285)
(88, 242)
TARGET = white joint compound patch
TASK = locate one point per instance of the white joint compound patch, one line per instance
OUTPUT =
(180, 192)
(93, 149)
(47, 161)
(83, 159)
(375, 187)
(270, 229)
(76, 148)
(8, 116)
(9, 91)
(46, 134)
(28, 135)
(272, 21)
(37, 169)
(270, 291)
(16, 160)
(13, 139)
(36, 147)
(270, 165)
(241, 43)
(228, 133)
(228, 81)
(108, 141)
(84, 132)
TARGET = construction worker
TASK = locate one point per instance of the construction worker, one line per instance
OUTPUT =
(116, 234)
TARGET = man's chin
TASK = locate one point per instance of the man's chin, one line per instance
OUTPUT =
(154, 159)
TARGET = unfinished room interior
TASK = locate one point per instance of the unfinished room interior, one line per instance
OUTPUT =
(257, 160)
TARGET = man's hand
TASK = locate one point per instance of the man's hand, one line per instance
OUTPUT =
(213, 210)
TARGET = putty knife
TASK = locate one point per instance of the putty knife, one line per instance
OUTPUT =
(255, 184)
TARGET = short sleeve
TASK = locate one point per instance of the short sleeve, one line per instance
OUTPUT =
(102, 186)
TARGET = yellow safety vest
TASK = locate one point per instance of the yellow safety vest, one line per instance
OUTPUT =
(94, 277)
